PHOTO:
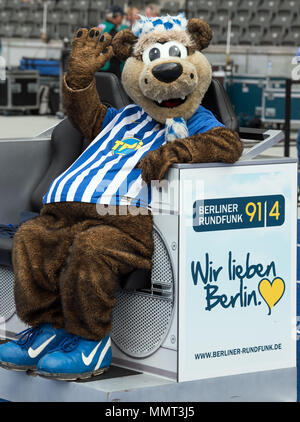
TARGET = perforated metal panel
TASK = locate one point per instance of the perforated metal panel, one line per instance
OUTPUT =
(141, 318)
(7, 302)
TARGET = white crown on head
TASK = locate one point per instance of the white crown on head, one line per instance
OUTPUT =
(163, 23)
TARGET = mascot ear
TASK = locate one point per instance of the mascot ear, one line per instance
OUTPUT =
(200, 32)
(123, 43)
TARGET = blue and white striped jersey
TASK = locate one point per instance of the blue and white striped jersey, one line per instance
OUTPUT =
(106, 172)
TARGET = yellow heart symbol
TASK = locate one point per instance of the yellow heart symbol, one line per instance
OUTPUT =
(271, 292)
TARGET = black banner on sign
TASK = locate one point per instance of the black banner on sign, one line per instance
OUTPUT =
(238, 213)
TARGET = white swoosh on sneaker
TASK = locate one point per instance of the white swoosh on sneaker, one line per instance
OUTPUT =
(87, 360)
(102, 354)
(33, 353)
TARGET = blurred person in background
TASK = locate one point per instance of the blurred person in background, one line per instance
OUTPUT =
(152, 10)
(132, 15)
(113, 21)
(112, 25)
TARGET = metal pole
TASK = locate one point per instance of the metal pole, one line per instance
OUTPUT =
(45, 17)
(287, 125)
(227, 58)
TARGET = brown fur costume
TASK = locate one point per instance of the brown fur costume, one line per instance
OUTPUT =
(67, 261)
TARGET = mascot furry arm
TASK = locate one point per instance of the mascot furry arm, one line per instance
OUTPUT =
(160, 95)
(90, 51)
(216, 145)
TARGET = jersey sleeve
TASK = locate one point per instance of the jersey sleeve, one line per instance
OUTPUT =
(202, 121)
(110, 114)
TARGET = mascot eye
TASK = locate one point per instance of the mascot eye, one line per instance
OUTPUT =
(164, 51)
(176, 49)
(154, 54)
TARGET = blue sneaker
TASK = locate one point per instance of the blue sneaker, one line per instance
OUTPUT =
(76, 358)
(23, 354)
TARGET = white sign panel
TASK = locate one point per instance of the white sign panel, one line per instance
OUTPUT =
(237, 264)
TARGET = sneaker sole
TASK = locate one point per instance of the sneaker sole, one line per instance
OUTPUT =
(18, 368)
(72, 377)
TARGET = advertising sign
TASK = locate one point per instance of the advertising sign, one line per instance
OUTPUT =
(237, 264)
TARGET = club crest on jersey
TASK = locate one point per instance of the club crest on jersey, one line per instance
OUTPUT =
(126, 146)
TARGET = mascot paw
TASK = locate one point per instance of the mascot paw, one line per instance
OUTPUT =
(155, 164)
(90, 51)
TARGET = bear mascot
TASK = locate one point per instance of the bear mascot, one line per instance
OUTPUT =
(67, 261)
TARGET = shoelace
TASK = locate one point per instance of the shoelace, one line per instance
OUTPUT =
(68, 344)
(28, 336)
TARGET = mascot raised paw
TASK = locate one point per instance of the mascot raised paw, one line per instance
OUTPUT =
(67, 261)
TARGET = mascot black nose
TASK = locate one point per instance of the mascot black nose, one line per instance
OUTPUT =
(167, 72)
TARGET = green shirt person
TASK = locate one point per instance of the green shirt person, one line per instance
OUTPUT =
(111, 25)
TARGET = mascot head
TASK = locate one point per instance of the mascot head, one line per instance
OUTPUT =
(165, 72)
